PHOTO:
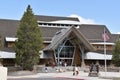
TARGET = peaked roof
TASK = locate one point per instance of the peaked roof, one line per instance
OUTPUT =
(62, 34)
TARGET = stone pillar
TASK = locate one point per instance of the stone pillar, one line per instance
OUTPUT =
(3, 73)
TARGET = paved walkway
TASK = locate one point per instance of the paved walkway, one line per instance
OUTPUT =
(82, 75)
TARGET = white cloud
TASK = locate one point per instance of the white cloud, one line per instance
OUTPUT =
(118, 32)
(87, 21)
(83, 20)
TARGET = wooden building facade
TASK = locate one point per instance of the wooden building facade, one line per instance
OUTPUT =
(66, 40)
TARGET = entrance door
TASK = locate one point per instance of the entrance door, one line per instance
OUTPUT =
(65, 53)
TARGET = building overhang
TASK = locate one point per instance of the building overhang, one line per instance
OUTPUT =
(10, 39)
(7, 55)
(12, 55)
(97, 56)
(102, 43)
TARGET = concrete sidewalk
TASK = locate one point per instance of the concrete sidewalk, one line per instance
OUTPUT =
(82, 75)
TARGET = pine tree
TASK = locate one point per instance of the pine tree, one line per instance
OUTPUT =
(116, 54)
(29, 41)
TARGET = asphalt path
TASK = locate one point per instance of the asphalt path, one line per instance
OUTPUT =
(46, 79)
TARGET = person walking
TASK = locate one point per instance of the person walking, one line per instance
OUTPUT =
(77, 71)
(46, 70)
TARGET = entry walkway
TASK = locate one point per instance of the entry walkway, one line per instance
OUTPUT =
(82, 76)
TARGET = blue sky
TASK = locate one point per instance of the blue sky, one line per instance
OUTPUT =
(105, 12)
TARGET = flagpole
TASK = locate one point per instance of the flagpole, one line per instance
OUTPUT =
(105, 51)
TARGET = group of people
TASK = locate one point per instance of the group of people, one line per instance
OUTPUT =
(62, 63)
(93, 67)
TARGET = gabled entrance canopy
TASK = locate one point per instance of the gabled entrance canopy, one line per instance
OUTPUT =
(64, 33)
(69, 46)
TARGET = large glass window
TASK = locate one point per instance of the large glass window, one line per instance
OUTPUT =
(65, 52)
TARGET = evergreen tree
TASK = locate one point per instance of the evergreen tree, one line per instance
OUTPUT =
(116, 54)
(29, 41)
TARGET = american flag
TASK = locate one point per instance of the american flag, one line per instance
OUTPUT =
(105, 36)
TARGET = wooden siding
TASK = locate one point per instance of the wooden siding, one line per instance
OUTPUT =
(77, 58)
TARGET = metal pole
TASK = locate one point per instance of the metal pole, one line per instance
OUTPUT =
(105, 51)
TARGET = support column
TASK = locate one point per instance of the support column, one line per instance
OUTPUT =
(73, 55)
(83, 62)
(58, 60)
